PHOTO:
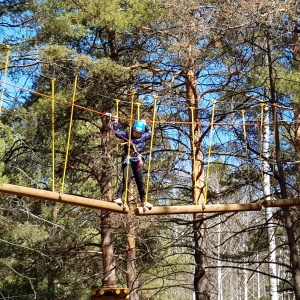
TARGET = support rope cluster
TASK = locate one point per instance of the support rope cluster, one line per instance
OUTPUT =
(192, 123)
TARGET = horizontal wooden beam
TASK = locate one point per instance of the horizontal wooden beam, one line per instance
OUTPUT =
(281, 202)
(62, 198)
(140, 211)
(192, 209)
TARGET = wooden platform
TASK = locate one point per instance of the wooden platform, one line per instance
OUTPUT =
(110, 294)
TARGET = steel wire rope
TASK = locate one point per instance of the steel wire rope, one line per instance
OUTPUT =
(157, 122)
(114, 85)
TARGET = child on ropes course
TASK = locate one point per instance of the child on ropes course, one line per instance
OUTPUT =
(141, 132)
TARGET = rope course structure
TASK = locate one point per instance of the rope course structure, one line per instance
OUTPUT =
(140, 211)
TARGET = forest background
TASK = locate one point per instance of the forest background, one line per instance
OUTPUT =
(226, 74)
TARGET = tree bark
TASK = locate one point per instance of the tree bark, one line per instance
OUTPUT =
(200, 277)
(109, 278)
(289, 223)
(132, 279)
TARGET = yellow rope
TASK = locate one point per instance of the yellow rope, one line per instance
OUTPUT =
(8, 48)
(194, 152)
(69, 133)
(151, 146)
(244, 129)
(138, 110)
(53, 135)
(117, 107)
(209, 151)
(246, 146)
(129, 145)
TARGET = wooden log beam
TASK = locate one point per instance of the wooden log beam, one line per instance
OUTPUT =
(281, 202)
(156, 210)
(62, 198)
(192, 209)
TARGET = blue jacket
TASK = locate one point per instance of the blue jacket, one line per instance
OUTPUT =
(139, 144)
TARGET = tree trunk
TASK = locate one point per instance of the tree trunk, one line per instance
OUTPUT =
(290, 224)
(269, 211)
(200, 277)
(132, 280)
(109, 278)
(201, 283)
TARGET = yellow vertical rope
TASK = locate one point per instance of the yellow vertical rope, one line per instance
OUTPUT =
(138, 110)
(129, 144)
(8, 48)
(69, 133)
(117, 107)
(209, 151)
(151, 146)
(193, 151)
(53, 135)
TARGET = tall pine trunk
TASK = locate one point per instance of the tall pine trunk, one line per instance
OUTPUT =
(132, 280)
(200, 277)
(108, 254)
(290, 223)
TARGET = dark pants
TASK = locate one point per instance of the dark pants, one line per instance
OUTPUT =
(138, 176)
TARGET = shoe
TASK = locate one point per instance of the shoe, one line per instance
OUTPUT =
(118, 201)
(147, 205)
